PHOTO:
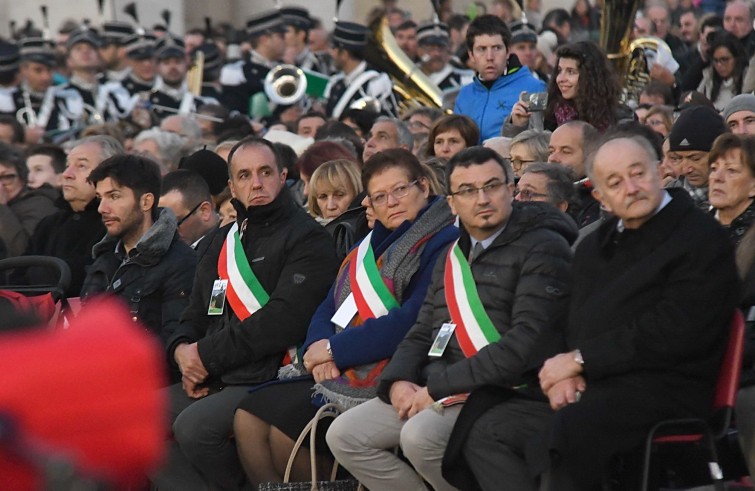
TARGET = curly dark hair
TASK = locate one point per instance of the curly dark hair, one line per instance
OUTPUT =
(598, 89)
(727, 40)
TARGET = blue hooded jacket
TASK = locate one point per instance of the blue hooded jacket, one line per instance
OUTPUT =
(489, 108)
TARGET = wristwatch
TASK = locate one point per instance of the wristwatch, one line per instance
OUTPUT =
(330, 351)
(578, 357)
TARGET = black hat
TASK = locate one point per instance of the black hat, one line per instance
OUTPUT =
(265, 23)
(297, 17)
(696, 129)
(521, 32)
(38, 50)
(435, 33)
(9, 57)
(115, 32)
(83, 35)
(169, 47)
(349, 35)
(140, 46)
(212, 61)
(210, 166)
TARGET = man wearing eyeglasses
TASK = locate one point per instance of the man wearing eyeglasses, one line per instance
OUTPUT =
(515, 259)
(188, 195)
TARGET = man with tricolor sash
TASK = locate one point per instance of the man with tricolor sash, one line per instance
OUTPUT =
(492, 315)
(257, 288)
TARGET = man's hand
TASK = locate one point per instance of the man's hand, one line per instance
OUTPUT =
(566, 392)
(325, 371)
(662, 75)
(192, 390)
(420, 401)
(558, 368)
(316, 354)
(402, 396)
(520, 114)
(189, 362)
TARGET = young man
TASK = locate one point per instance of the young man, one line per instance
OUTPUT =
(739, 114)
(224, 350)
(45, 164)
(71, 233)
(142, 259)
(511, 268)
(496, 88)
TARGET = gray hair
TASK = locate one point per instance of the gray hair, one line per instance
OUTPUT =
(109, 146)
(189, 126)
(171, 145)
(560, 186)
(639, 140)
(536, 141)
(405, 136)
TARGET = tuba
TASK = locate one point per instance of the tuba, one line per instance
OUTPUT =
(383, 53)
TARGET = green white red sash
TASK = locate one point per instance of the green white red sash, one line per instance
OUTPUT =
(474, 329)
(244, 294)
(372, 296)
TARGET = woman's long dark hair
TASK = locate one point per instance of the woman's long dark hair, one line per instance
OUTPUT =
(598, 88)
(729, 41)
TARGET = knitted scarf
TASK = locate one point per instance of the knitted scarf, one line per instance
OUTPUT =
(397, 265)
(564, 112)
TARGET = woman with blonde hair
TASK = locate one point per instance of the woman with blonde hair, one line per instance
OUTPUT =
(333, 187)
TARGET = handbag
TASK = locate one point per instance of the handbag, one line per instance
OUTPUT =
(329, 410)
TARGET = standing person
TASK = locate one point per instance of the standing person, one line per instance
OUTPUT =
(241, 338)
(435, 57)
(489, 99)
(725, 76)
(653, 293)
(493, 299)
(298, 24)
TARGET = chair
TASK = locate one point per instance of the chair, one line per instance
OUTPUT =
(698, 431)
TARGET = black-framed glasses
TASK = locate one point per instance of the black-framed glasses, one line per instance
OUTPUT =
(527, 195)
(398, 192)
(189, 214)
(469, 192)
(8, 177)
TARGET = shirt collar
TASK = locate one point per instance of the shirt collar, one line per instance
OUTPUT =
(486, 242)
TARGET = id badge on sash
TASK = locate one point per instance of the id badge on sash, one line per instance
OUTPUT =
(442, 340)
(345, 312)
(217, 297)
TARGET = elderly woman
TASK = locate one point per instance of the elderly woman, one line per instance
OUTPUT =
(332, 188)
(349, 343)
(527, 147)
(732, 195)
(163, 147)
(451, 134)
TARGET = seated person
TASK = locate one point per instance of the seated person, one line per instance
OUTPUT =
(412, 228)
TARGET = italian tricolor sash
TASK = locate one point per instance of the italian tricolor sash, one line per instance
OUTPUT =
(474, 329)
(372, 296)
(245, 294)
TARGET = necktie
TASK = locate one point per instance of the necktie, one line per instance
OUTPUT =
(476, 251)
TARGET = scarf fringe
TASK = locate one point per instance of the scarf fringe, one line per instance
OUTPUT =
(291, 371)
(345, 401)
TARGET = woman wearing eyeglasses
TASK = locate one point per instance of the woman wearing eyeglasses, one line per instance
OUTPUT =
(372, 304)
(724, 78)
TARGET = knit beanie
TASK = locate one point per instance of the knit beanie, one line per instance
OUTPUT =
(742, 102)
(696, 129)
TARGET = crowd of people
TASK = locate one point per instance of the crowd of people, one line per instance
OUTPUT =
(507, 292)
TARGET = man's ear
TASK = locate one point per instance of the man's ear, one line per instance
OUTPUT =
(599, 196)
(450, 200)
(147, 202)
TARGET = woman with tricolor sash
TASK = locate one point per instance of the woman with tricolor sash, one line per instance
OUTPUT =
(371, 306)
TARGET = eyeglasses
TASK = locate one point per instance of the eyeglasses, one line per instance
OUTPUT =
(8, 177)
(181, 221)
(469, 192)
(722, 60)
(398, 192)
(517, 164)
(527, 195)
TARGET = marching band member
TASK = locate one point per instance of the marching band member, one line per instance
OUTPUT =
(9, 58)
(113, 51)
(298, 24)
(435, 55)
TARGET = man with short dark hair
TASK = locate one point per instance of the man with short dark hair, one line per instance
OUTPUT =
(298, 23)
(188, 195)
(45, 163)
(142, 259)
(406, 38)
(546, 182)
(491, 315)
(489, 98)
(654, 289)
(308, 123)
(72, 232)
(255, 292)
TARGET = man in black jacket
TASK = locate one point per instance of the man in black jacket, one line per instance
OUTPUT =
(520, 261)
(255, 292)
(71, 233)
(654, 290)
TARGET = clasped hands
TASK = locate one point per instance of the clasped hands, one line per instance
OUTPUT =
(192, 370)
(561, 380)
(409, 398)
(318, 362)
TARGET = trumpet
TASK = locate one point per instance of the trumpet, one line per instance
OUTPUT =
(285, 85)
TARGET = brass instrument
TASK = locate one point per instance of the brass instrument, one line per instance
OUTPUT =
(195, 75)
(384, 54)
(285, 85)
(638, 71)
